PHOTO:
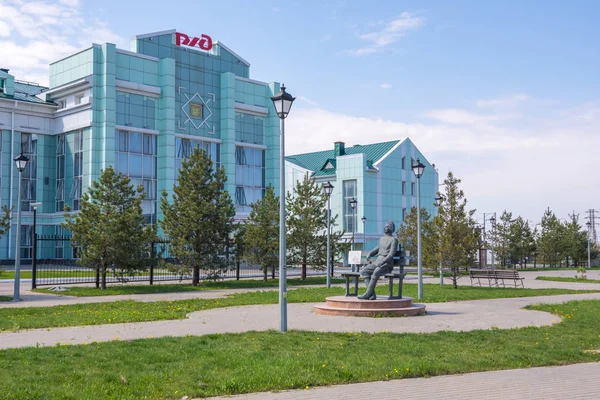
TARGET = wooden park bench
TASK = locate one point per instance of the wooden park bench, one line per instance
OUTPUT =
(496, 276)
(391, 276)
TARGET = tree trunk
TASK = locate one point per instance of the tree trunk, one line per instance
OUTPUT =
(272, 271)
(265, 272)
(196, 276)
(103, 277)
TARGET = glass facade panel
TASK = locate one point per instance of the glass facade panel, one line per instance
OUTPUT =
(249, 128)
(349, 213)
(184, 148)
(138, 162)
(60, 173)
(136, 110)
(29, 175)
(75, 193)
(249, 177)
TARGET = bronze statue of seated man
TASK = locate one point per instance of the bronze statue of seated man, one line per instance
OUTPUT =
(383, 264)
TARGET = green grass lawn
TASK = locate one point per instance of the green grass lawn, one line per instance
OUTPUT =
(227, 364)
(132, 311)
(566, 279)
(84, 291)
(5, 298)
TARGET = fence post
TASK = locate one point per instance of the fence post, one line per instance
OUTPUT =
(152, 260)
(34, 262)
(98, 277)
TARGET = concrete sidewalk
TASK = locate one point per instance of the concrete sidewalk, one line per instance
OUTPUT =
(573, 382)
(454, 316)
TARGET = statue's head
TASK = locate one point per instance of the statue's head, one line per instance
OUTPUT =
(389, 228)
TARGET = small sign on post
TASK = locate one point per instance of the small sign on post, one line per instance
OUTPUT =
(355, 257)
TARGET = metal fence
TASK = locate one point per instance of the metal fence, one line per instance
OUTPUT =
(55, 262)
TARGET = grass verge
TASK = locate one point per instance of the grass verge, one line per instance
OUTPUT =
(566, 279)
(89, 291)
(228, 364)
(12, 319)
(5, 298)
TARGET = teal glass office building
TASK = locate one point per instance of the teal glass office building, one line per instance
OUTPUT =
(141, 111)
(378, 176)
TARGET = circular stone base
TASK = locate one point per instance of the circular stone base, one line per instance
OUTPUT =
(354, 307)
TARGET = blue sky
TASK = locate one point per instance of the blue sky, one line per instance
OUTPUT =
(505, 94)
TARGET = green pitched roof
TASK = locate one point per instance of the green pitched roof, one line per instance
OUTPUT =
(317, 160)
(27, 92)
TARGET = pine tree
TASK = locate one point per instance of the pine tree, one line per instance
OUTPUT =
(110, 230)
(306, 223)
(550, 243)
(262, 233)
(199, 219)
(407, 236)
(459, 238)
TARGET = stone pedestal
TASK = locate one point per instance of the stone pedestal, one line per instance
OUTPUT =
(354, 307)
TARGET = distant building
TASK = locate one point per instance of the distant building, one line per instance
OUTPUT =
(378, 176)
(142, 112)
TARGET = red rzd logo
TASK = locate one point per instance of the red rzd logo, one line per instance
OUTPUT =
(204, 41)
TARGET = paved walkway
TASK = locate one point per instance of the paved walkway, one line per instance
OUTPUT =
(573, 382)
(455, 316)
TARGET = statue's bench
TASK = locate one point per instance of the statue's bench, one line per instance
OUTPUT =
(390, 276)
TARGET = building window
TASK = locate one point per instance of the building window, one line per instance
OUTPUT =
(412, 188)
(136, 158)
(249, 177)
(62, 104)
(403, 187)
(403, 214)
(79, 98)
(26, 241)
(249, 128)
(136, 110)
(184, 148)
(60, 172)
(349, 213)
(76, 186)
(29, 175)
(403, 162)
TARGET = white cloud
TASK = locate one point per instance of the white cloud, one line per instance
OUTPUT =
(385, 86)
(36, 33)
(459, 117)
(552, 162)
(327, 37)
(509, 101)
(391, 32)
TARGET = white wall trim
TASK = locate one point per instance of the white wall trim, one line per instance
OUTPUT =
(134, 54)
(137, 88)
(134, 129)
(198, 138)
(239, 78)
(73, 109)
(70, 87)
(251, 109)
(390, 152)
(74, 128)
(252, 145)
